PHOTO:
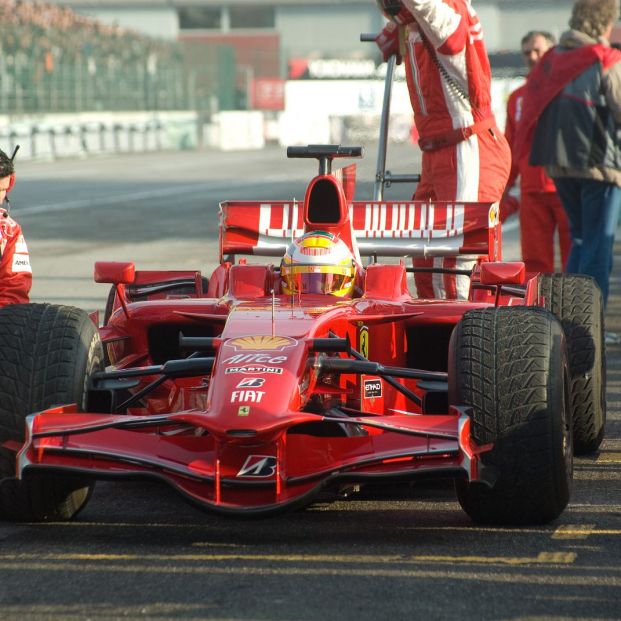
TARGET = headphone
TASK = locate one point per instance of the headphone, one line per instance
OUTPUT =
(12, 177)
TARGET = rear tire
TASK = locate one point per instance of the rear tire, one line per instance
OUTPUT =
(577, 302)
(510, 365)
(47, 354)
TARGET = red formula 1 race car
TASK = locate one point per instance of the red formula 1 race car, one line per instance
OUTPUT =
(263, 387)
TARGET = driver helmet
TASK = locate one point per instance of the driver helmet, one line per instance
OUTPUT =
(318, 262)
(394, 11)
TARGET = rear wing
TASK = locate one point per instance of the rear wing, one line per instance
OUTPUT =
(386, 228)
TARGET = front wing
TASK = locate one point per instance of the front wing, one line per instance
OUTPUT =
(236, 471)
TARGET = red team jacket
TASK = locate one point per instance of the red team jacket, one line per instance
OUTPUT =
(533, 179)
(456, 94)
(15, 270)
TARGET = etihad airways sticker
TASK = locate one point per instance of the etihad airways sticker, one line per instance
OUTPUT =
(372, 388)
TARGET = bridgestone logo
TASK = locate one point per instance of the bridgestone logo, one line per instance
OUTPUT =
(259, 467)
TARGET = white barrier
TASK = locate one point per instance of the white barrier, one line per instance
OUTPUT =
(238, 130)
(74, 135)
(317, 111)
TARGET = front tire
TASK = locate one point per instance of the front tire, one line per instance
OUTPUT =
(510, 365)
(47, 354)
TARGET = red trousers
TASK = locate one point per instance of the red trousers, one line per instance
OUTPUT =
(541, 215)
(475, 170)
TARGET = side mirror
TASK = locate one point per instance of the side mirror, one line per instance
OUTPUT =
(114, 272)
(499, 273)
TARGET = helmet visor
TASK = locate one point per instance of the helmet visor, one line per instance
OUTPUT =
(303, 279)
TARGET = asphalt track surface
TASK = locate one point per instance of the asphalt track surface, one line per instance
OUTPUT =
(137, 551)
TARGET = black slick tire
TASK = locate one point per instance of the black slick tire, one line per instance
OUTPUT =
(577, 302)
(510, 366)
(47, 353)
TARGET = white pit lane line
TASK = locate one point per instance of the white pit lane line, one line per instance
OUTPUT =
(128, 197)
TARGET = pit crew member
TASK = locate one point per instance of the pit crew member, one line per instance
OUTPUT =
(571, 125)
(465, 156)
(540, 208)
(15, 270)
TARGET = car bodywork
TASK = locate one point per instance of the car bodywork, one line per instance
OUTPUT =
(250, 401)
(247, 400)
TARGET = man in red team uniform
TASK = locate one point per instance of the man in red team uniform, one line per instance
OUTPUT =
(540, 208)
(465, 156)
(15, 270)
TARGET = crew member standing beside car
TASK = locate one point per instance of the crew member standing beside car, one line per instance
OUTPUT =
(541, 211)
(465, 156)
(571, 125)
(15, 270)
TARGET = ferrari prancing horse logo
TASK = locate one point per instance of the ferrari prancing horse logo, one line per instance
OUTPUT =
(363, 339)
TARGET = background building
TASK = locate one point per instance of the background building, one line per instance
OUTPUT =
(298, 64)
(309, 27)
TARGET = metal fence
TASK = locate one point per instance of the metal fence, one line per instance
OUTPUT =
(81, 84)
(201, 76)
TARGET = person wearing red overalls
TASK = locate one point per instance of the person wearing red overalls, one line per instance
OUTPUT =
(15, 270)
(465, 156)
(540, 208)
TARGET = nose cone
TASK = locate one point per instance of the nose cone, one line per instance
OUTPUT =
(256, 381)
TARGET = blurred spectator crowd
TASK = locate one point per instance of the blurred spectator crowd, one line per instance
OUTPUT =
(53, 59)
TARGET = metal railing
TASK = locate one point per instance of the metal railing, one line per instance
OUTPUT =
(82, 85)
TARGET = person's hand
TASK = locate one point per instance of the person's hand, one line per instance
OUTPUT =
(388, 42)
(508, 206)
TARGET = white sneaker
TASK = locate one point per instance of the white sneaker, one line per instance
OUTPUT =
(612, 338)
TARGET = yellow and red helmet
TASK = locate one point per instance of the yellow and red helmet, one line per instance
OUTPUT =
(318, 262)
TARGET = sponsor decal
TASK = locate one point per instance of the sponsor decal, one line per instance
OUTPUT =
(261, 358)
(493, 215)
(21, 263)
(247, 396)
(372, 388)
(254, 370)
(268, 94)
(20, 245)
(334, 69)
(244, 410)
(363, 341)
(261, 343)
(251, 382)
(258, 466)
